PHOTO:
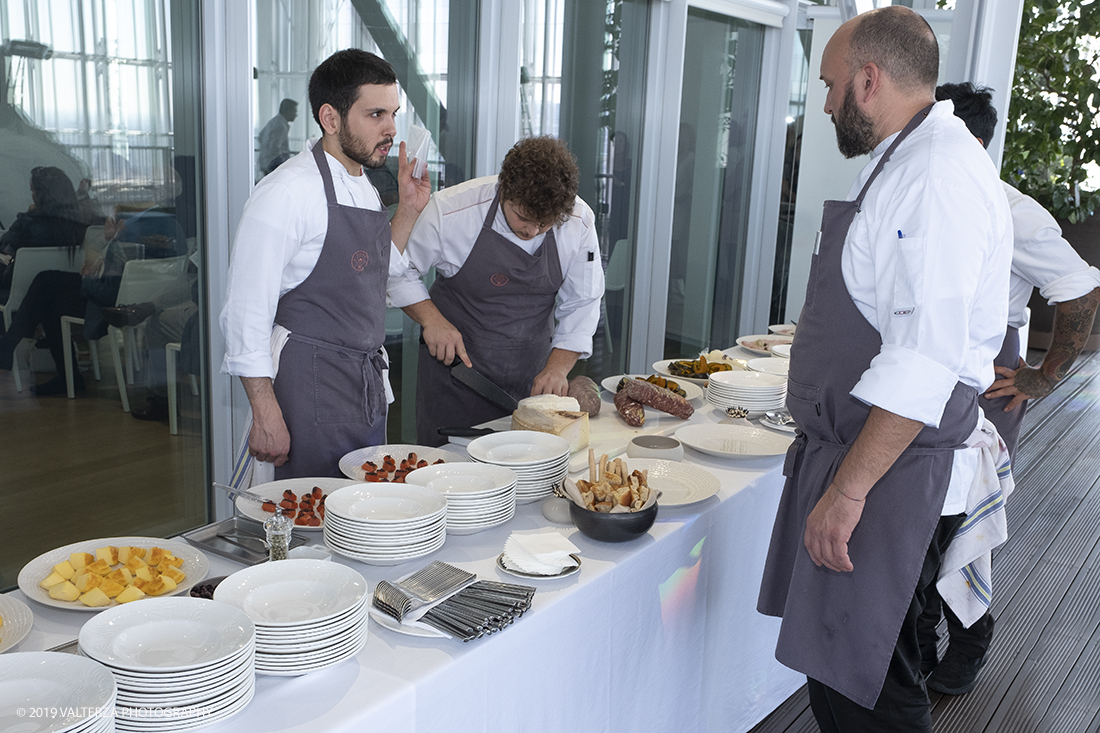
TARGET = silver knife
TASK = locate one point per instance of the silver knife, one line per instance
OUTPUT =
(480, 384)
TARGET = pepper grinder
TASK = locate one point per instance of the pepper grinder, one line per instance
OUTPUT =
(278, 529)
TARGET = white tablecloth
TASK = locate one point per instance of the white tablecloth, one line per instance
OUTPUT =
(657, 634)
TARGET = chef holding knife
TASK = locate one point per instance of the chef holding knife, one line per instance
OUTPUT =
(517, 290)
(304, 318)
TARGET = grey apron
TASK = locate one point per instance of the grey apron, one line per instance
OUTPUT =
(502, 301)
(330, 384)
(841, 628)
(1008, 423)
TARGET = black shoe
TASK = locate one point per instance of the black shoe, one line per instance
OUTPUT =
(58, 386)
(155, 410)
(957, 674)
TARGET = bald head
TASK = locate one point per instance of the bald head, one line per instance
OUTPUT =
(900, 43)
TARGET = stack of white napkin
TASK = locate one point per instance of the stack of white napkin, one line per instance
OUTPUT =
(539, 553)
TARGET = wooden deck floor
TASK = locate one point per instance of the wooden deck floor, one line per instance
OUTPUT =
(1043, 670)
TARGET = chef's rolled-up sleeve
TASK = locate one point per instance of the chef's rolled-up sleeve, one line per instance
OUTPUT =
(423, 252)
(267, 238)
(932, 257)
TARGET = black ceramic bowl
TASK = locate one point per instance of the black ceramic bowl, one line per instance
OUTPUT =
(205, 588)
(612, 527)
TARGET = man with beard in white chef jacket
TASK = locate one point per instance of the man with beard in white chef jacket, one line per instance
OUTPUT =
(304, 317)
(517, 290)
(1042, 259)
(905, 309)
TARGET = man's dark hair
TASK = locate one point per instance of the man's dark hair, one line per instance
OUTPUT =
(337, 80)
(540, 175)
(974, 106)
(899, 42)
(287, 106)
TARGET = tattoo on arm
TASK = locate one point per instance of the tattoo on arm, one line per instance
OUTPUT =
(1072, 326)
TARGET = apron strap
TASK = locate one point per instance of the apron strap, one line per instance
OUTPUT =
(912, 125)
(326, 173)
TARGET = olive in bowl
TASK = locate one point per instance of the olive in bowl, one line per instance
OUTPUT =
(607, 527)
(205, 588)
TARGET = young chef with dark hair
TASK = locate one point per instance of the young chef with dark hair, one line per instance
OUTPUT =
(905, 310)
(1042, 259)
(305, 309)
(517, 290)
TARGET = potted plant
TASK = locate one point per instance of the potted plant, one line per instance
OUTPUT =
(1052, 142)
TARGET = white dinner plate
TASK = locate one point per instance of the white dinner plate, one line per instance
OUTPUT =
(462, 480)
(519, 449)
(385, 503)
(195, 566)
(351, 464)
(415, 629)
(692, 391)
(770, 365)
(782, 329)
(733, 441)
(661, 367)
(679, 483)
(762, 343)
(782, 351)
(73, 687)
(293, 592)
(273, 491)
(17, 618)
(167, 635)
(755, 382)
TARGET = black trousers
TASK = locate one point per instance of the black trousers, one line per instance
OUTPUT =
(51, 294)
(903, 704)
(972, 642)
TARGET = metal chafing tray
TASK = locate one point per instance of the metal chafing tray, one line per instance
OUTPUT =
(236, 538)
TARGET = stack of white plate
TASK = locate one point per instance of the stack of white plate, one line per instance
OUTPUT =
(479, 496)
(309, 614)
(385, 524)
(70, 694)
(757, 392)
(179, 663)
(540, 460)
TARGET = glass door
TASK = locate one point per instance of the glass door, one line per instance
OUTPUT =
(723, 59)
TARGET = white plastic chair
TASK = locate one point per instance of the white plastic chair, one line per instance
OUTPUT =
(29, 261)
(170, 352)
(142, 281)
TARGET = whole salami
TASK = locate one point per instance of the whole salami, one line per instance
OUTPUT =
(631, 410)
(585, 391)
(656, 397)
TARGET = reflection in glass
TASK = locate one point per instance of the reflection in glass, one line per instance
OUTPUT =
(577, 58)
(429, 44)
(101, 273)
(722, 66)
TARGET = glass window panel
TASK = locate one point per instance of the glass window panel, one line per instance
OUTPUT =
(118, 185)
(604, 70)
(714, 166)
(436, 92)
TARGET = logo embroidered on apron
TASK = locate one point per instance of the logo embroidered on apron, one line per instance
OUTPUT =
(499, 279)
(359, 260)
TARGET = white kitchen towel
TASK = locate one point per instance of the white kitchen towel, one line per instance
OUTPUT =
(965, 581)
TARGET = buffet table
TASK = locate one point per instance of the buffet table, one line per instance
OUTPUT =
(657, 634)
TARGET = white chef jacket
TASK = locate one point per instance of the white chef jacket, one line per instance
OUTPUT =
(278, 242)
(927, 261)
(1042, 259)
(444, 236)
